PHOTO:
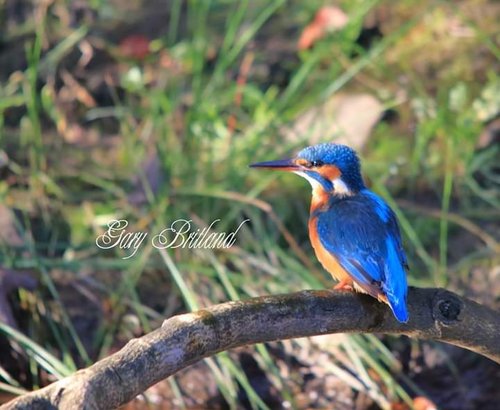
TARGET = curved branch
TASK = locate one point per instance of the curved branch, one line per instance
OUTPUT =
(182, 340)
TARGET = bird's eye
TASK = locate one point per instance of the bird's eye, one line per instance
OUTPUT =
(309, 164)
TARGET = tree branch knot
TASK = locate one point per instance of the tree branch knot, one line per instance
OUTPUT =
(447, 309)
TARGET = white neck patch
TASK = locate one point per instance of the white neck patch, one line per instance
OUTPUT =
(340, 188)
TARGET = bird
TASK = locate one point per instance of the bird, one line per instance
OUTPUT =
(353, 231)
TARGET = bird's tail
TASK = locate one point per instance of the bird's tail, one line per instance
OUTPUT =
(396, 287)
(398, 307)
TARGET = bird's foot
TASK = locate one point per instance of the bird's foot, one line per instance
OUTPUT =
(344, 286)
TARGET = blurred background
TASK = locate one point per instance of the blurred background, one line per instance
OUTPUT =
(151, 111)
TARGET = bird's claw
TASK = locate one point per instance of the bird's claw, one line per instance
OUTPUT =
(344, 286)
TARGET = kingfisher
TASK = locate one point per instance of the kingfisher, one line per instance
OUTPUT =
(354, 232)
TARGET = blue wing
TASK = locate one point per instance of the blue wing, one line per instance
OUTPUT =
(363, 234)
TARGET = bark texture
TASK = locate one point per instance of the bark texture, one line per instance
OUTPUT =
(182, 340)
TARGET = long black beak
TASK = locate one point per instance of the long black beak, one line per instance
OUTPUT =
(280, 165)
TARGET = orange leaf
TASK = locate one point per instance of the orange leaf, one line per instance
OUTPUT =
(309, 36)
(328, 18)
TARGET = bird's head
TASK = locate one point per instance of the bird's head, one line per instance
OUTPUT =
(334, 168)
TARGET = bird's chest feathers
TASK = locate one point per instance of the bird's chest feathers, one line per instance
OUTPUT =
(328, 261)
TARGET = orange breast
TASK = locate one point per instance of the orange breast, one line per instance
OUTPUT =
(328, 260)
